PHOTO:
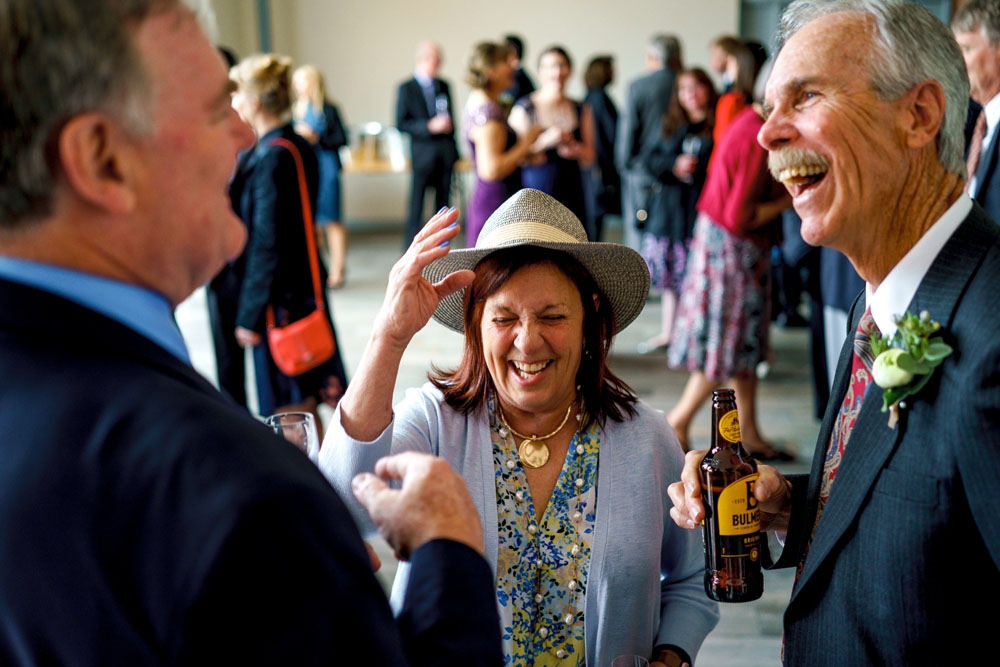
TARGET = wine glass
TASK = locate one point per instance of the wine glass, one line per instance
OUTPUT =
(298, 428)
(690, 146)
(441, 104)
(630, 661)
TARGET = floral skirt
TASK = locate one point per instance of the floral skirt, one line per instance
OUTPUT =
(666, 259)
(724, 309)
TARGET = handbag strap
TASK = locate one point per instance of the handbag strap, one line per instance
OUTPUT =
(309, 229)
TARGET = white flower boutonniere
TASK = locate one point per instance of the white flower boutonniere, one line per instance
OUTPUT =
(905, 361)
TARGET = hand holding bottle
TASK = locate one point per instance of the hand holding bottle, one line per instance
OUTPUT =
(772, 492)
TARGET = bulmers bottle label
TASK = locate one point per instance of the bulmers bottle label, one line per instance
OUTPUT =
(737, 512)
(729, 426)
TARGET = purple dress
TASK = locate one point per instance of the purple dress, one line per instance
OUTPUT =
(487, 195)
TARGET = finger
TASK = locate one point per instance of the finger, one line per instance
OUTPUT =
(676, 493)
(689, 475)
(437, 222)
(366, 488)
(682, 519)
(397, 465)
(454, 282)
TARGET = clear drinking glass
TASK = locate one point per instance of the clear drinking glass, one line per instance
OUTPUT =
(690, 146)
(298, 428)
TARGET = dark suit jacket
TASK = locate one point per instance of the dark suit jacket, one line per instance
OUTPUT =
(274, 266)
(908, 547)
(145, 519)
(988, 177)
(412, 115)
(641, 122)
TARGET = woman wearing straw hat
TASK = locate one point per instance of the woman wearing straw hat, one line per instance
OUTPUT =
(586, 568)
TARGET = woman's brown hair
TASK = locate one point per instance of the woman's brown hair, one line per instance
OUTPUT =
(677, 116)
(605, 395)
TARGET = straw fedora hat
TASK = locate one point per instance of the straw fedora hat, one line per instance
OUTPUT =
(531, 217)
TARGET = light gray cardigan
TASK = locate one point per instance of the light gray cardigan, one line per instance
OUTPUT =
(646, 580)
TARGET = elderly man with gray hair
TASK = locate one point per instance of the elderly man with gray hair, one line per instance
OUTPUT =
(894, 533)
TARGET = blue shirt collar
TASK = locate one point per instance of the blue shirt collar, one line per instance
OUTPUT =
(139, 309)
(424, 80)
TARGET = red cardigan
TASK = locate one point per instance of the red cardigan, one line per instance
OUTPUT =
(739, 179)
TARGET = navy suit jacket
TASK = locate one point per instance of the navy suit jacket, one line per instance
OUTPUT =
(412, 115)
(146, 519)
(988, 178)
(908, 548)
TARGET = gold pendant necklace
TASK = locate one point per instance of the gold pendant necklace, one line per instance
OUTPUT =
(533, 450)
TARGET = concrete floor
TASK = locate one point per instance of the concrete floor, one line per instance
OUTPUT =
(749, 634)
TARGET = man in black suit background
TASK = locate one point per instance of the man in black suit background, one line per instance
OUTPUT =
(523, 85)
(894, 533)
(640, 125)
(976, 25)
(146, 519)
(425, 112)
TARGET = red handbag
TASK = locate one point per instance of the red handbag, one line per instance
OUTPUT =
(306, 343)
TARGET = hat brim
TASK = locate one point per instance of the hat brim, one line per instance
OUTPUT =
(620, 273)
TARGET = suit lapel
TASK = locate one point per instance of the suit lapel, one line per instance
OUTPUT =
(860, 464)
(987, 162)
(872, 441)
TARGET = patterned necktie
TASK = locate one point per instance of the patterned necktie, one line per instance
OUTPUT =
(861, 365)
(976, 147)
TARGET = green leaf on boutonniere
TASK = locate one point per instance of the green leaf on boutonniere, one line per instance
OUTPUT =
(905, 361)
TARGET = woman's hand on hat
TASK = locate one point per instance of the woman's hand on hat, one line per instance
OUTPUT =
(410, 298)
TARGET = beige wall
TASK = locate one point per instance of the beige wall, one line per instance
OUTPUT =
(365, 48)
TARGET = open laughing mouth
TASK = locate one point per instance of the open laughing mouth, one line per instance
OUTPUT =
(797, 169)
(801, 177)
(528, 371)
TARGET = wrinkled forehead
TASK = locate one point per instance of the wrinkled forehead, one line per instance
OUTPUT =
(830, 49)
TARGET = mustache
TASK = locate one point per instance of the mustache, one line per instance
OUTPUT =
(786, 158)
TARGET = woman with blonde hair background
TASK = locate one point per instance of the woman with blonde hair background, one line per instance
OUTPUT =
(495, 149)
(318, 120)
(274, 268)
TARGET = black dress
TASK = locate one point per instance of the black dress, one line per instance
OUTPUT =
(605, 180)
(671, 203)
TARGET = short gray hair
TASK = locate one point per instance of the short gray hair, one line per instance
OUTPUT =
(59, 59)
(908, 45)
(977, 14)
(667, 50)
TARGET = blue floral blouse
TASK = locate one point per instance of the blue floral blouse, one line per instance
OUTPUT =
(542, 565)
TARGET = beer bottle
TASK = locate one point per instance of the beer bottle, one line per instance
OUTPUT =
(732, 519)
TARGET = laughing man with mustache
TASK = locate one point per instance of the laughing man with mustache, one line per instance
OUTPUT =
(865, 112)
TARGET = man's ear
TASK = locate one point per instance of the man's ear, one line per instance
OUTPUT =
(94, 154)
(926, 113)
